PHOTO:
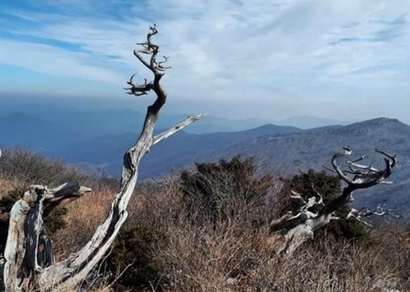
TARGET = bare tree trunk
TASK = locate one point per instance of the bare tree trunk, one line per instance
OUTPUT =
(29, 256)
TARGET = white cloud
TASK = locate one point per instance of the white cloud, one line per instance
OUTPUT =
(54, 61)
(319, 52)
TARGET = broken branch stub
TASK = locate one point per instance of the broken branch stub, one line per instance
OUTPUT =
(357, 176)
(69, 273)
(28, 250)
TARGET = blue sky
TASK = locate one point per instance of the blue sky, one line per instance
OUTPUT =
(272, 59)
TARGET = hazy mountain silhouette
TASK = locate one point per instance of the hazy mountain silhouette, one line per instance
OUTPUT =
(314, 148)
(21, 129)
(97, 139)
(103, 117)
(280, 150)
(175, 152)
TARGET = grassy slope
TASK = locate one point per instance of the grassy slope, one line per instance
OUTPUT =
(203, 259)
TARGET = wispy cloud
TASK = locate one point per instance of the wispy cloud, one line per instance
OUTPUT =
(296, 55)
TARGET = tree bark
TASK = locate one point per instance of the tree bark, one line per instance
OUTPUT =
(29, 256)
(363, 177)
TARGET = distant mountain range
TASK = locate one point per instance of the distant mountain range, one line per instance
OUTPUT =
(115, 116)
(314, 148)
(96, 140)
(106, 122)
(177, 151)
(91, 117)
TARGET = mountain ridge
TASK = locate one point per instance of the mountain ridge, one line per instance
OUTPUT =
(314, 148)
(282, 150)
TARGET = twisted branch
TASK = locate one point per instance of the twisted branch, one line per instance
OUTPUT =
(67, 274)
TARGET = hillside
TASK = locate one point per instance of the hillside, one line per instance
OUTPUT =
(37, 133)
(282, 150)
(175, 152)
(173, 230)
(314, 148)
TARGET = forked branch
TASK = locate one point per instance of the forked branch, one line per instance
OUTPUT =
(356, 176)
(363, 177)
(363, 214)
(158, 68)
(67, 274)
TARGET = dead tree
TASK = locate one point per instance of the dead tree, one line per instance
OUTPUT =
(29, 256)
(356, 176)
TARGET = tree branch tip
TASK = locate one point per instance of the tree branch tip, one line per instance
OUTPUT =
(347, 151)
(347, 148)
(201, 115)
(198, 116)
(84, 190)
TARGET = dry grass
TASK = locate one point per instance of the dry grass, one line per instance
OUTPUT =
(7, 185)
(32, 168)
(202, 260)
(83, 217)
(233, 256)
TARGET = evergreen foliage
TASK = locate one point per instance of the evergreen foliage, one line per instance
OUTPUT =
(328, 186)
(133, 256)
(224, 190)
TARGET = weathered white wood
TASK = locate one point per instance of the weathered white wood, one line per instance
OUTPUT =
(27, 251)
(363, 177)
(34, 225)
(68, 274)
(76, 267)
(15, 246)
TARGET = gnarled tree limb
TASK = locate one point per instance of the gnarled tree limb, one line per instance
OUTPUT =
(27, 250)
(67, 274)
(363, 177)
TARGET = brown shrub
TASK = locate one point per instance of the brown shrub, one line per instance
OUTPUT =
(234, 256)
(82, 218)
(31, 168)
(7, 185)
(225, 191)
(237, 257)
(200, 260)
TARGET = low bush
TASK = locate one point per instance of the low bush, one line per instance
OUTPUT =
(328, 186)
(168, 250)
(31, 168)
(133, 256)
(227, 190)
